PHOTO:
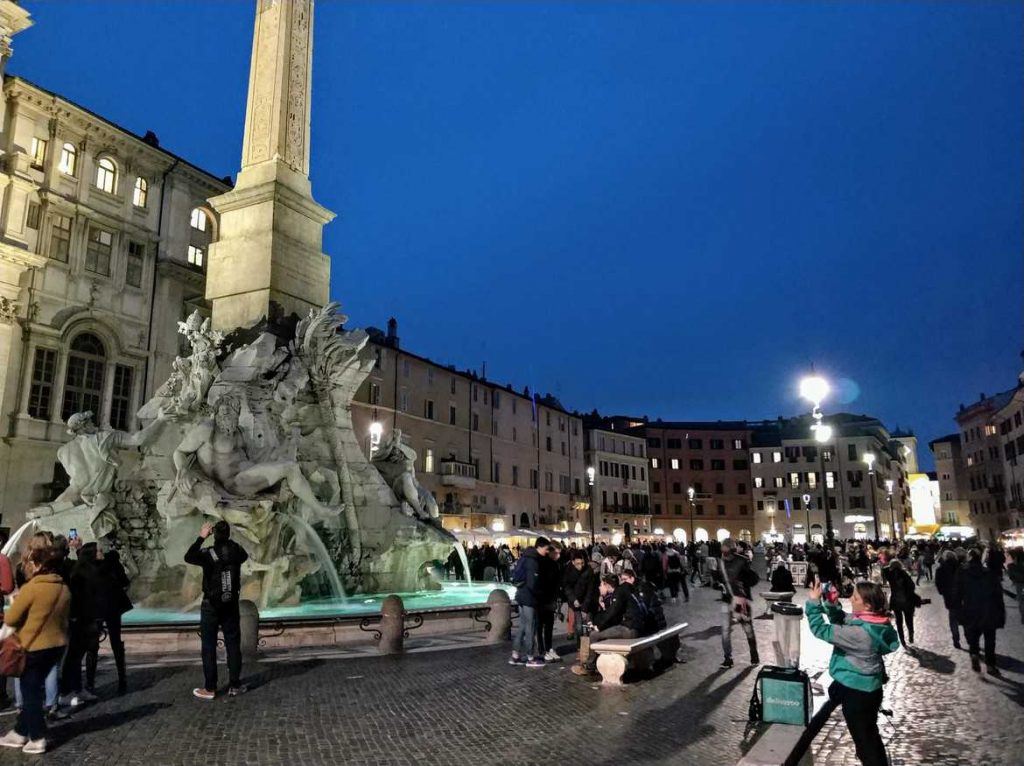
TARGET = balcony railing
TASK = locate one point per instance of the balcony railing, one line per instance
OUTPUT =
(455, 473)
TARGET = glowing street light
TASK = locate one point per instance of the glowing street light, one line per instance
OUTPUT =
(591, 473)
(889, 484)
(814, 389)
(376, 430)
(691, 493)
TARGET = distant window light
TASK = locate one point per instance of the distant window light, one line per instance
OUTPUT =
(68, 164)
(196, 256)
(140, 193)
(106, 175)
(198, 219)
(38, 152)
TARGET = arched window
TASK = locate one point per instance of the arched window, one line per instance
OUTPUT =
(68, 159)
(83, 386)
(722, 534)
(140, 193)
(700, 535)
(200, 236)
(106, 175)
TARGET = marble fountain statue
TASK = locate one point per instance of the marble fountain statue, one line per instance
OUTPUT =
(254, 428)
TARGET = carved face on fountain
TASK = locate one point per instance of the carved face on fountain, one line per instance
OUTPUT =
(225, 414)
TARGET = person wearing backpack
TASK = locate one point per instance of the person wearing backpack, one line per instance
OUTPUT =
(530, 593)
(621, 617)
(221, 564)
(675, 574)
(735, 577)
(857, 669)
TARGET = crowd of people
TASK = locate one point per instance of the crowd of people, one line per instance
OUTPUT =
(66, 594)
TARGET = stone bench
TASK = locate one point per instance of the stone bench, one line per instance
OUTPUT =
(616, 655)
(771, 596)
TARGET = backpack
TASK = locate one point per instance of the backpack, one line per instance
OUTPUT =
(518, 576)
(674, 563)
(781, 695)
(224, 584)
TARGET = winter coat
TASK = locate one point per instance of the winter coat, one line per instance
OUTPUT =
(532, 589)
(587, 590)
(547, 583)
(901, 590)
(945, 582)
(741, 576)
(979, 598)
(621, 610)
(858, 645)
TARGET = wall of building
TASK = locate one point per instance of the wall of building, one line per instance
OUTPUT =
(621, 494)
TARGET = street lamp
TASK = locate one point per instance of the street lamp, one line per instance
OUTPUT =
(869, 458)
(814, 389)
(892, 514)
(691, 493)
(591, 472)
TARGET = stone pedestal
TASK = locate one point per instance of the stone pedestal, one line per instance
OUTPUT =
(392, 626)
(249, 622)
(500, 616)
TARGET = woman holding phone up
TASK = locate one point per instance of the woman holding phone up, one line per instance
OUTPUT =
(859, 642)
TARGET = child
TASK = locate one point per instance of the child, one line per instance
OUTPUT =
(856, 667)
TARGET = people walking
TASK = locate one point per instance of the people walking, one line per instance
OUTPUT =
(735, 577)
(1016, 574)
(902, 600)
(979, 604)
(945, 583)
(857, 669)
(221, 564)
(925, 562)
(112, 602)
(39, 616)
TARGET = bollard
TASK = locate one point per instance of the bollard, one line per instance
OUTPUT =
(249, 625)
(499, 617)
(392, 625)
(787, 633)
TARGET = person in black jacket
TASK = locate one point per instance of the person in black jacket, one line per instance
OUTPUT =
(979, 604)
(902, 599)
(83, 634)
(530, 590)
(547, 604)
(735, 577)
(112, 602)
(945, 583)
(620, 617)
(222, 579)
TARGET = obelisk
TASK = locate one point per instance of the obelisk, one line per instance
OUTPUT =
(268, 259)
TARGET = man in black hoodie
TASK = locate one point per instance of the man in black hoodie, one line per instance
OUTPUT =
(222, 564)
(620, 617)
(531, 590)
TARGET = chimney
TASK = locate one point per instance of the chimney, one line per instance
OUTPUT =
(392, 338)
(151, 139)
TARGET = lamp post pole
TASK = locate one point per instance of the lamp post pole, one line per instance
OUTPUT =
(590, 490)
(691, 493)
(869, 458)
(814, 389)
(892, 514)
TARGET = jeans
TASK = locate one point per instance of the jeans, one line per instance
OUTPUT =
(525, 634)
(615, 631)
(38, 665)
(51, 689)
(224, 617)
(729, 616)
(860, 709)
(954, 627)
(926, 570)
(545, 629)
(974, 636)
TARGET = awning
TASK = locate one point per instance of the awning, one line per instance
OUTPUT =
(923, 529)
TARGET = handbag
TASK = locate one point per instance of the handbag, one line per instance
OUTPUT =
(13, 655)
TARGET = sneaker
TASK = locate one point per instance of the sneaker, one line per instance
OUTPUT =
(552, 656)
(204, 694)
(975, 663)
(755, 660)
(13, 739)
(70, 700)
(726, 663)
(56, 714)
(535, 662)
(87, 696)
(516, 660)
(35, 747)
(235, 691)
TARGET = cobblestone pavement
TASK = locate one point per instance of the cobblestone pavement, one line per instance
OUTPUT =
(467, 706)
(944, 712)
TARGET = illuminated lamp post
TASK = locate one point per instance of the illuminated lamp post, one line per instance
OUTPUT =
(591, 472)
(889, 483)
(691, 493)
(869, 458)
(814, 389)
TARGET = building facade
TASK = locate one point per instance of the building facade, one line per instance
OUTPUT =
(949, 472)
(712, 460)
(1010, 421)
(791, 476)
(492, 456)
(621, 498)
(982, 451)
(103, 237)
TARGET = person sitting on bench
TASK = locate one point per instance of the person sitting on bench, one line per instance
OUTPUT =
(618, 616)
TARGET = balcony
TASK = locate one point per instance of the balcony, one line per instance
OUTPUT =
(455, 473)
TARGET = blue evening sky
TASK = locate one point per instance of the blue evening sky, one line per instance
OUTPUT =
(670, 208)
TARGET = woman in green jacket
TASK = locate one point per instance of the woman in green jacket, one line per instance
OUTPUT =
(857, 669)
